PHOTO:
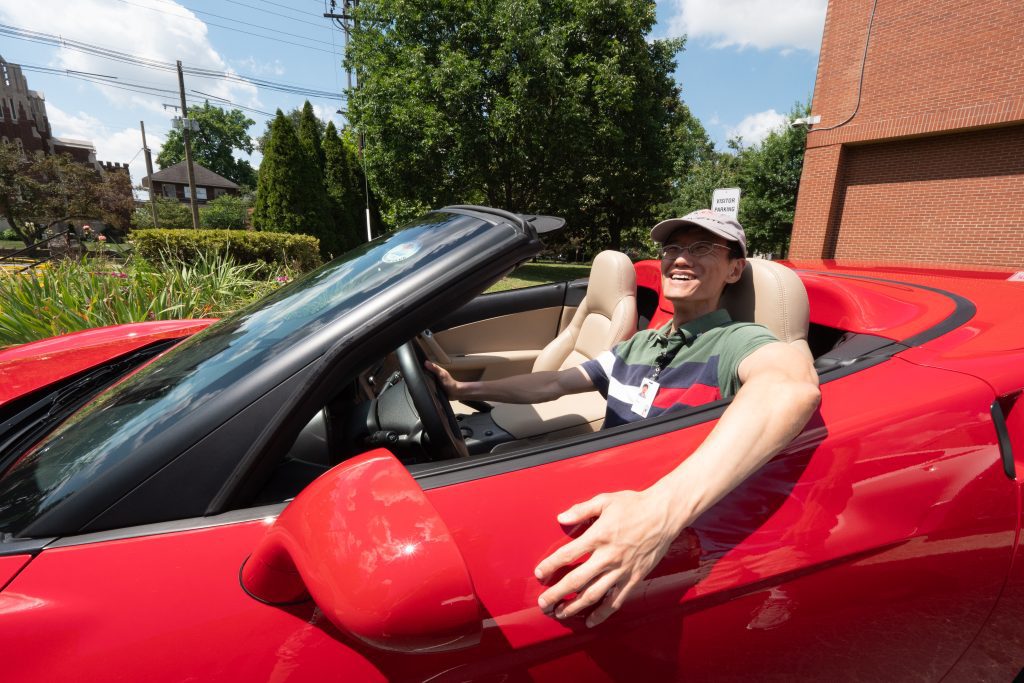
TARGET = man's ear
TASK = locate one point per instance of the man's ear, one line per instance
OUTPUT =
(736, 267)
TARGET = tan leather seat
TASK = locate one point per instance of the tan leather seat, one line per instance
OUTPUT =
(774, 296)
(606, 317)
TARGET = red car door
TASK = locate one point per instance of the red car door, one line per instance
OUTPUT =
(874, 547)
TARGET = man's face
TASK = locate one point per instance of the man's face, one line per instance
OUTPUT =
(698, 280)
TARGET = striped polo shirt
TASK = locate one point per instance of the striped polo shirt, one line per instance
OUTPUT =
(703, 367)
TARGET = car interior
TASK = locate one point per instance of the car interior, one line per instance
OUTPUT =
(382, 407)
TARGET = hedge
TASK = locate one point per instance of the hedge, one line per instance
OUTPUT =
(244, 246)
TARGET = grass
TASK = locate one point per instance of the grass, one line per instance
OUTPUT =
(533, 274)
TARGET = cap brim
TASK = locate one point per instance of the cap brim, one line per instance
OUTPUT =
(663, 230)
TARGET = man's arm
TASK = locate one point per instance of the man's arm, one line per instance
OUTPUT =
(634, 529)
(534, 387)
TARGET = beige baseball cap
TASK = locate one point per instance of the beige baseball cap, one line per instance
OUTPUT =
(713, 222)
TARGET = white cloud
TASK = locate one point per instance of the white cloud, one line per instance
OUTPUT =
(755, 127)
(258, 68)
(762, 24)
(118, 145)
(166, 32)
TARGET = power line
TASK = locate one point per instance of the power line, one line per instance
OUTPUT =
(114, 55)
(231, 28)
(318, 24)
(141, 88)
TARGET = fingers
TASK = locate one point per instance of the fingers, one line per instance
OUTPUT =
(580, 512)
(574, 582)
(566, 555)
(588, 596)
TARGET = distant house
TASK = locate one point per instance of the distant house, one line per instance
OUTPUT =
(172, 183)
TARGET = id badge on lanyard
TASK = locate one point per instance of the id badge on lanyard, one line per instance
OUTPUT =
(645, 398)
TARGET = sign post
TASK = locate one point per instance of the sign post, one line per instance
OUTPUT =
(726, 200)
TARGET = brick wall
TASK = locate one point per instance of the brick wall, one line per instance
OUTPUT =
(956, 199)
(933, 67)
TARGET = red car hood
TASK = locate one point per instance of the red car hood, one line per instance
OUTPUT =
(32, 366)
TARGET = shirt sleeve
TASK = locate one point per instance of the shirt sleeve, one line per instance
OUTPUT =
(599, 370)
(743, 339)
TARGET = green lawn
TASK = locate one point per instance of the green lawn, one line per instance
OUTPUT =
(533, 274)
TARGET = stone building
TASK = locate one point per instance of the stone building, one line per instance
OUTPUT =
(919, 154)
(23, 120)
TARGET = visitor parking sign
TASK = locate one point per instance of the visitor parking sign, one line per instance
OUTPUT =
(726, 200)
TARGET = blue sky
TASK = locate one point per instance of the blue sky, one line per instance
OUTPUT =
(746, 62)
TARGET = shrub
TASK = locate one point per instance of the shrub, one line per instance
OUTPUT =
(226, 212)
(8, 235)
(300, 252)
(76, 295)
(170, 212)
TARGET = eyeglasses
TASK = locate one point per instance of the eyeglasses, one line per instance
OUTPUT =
(697, 249)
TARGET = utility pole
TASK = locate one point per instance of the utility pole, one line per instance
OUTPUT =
(149, 174)
(345, 22)
(186, 126)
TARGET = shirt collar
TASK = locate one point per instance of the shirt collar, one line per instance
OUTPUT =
(694, 328)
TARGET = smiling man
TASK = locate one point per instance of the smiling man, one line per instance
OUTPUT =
(698, 357)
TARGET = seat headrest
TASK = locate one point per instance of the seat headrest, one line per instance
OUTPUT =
(772, 295)
(612, 278)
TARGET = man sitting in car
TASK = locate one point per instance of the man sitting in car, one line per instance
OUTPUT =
(698, 357)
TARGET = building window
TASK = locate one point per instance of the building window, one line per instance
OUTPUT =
(14, 110)
(169, 191)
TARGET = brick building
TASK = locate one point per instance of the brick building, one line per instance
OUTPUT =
(23, 120)
(927, 166)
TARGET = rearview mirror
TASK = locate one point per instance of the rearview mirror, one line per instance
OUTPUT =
(365, 543)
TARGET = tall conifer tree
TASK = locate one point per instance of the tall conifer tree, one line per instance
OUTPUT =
(290, 196)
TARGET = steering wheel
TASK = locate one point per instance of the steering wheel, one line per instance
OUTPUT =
(430, 402)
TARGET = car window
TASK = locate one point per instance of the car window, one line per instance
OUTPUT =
(145, 409)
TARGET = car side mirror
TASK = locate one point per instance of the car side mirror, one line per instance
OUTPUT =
(367, 546)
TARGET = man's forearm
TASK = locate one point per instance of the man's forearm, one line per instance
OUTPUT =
(763, 418)
(534, 387)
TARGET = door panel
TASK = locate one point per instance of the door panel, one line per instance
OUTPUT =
(873, 547)
(501, 334)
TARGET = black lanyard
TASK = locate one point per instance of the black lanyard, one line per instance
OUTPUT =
(666, 356)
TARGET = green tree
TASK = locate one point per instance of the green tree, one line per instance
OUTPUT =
(38, 190)
(767, 173)
(227, 212)
(220, 134)
(170, 213)
(770, 177)
(311, 132)
(530, 105)
(345, 187)
(290, 195)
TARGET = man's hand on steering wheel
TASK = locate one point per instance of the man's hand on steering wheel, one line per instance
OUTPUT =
(431, 403)
(448, 384)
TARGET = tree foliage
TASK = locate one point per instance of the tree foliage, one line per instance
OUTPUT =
(532, 105)
(37, 190)
(345, 187)
(290, 195)
(767, 173)
(170, 214)
(221, 133)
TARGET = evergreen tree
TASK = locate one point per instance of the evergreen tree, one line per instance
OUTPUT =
(311, 133)
(290, 196)
(345, 187)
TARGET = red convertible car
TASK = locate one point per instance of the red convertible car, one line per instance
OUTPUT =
(284, 495)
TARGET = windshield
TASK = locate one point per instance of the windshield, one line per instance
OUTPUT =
(141, 411)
